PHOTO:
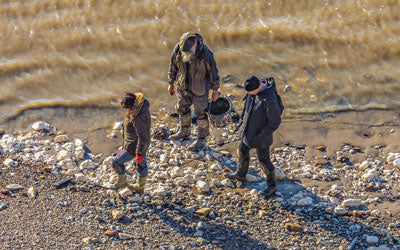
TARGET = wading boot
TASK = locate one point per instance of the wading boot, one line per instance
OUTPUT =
(121, 183)
(270, 191)
(184, 128)
(240, 173)
(197, 145)
(138, 187)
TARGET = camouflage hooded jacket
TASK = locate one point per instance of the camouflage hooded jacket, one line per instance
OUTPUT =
(197, 76)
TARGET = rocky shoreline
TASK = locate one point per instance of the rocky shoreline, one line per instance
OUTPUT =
(50, 197)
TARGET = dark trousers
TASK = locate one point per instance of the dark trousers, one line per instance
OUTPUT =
(262, 154)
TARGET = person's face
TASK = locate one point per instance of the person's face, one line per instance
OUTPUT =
(253, 92)
(188, 56)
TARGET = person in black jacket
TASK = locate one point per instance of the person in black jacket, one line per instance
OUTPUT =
(261, 116)
(136, 141)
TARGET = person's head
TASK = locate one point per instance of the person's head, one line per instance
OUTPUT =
(252, 85)
(127, 101)
(188, 45)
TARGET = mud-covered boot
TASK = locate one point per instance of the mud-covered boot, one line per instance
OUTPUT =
(138, 187)
(121, 183)
(241, 171)
(197, 145)
(270, 191)
(184, 128)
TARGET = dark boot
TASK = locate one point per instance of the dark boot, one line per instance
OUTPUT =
(268, 192)
(240, 173)
(184, 128)
(197, 145)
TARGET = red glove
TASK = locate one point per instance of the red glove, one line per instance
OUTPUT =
(120, 152)
(139, 159)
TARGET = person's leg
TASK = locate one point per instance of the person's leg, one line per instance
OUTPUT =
(243, 154)
(183, 109)
(269, 170)
(142, 176)
(119, 167)
(200, 104)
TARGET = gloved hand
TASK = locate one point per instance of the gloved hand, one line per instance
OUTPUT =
(215, 95)
(120, 152)
(139, 159)
(171, 89)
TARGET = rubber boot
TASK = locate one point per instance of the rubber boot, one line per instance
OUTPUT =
(203, 131)
(241, 171)
(121, 183)
(268, 192)
(184, 128)
(138, 187)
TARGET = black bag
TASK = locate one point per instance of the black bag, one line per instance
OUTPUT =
(271, 81)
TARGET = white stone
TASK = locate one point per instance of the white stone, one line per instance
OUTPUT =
(199, 172)
(239, 184)
(340, 210)
(202, 186)
(177, 172)
(396, 163)
(125, 192)
(61, 138)
(228, 183)
(305, 201)
(87, 164)
(69, 146)
(63, 155)
(370, 175)
(10, 163)
(215, 168)
(40, 126)
(117, 126)
(163, 158)
(251, 178)
(352, 203)
(32, 192)
(280, 174)
(79, 153)
(160, 191)
(173, 162)
(372, 239)
(363, 166)
(79, 143)
(81, 177)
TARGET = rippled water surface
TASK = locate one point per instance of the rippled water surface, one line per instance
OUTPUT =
(334, 55)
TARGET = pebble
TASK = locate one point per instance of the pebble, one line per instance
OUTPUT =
(280, 174)
(125, 192)
(228, 183)
(10, 163)
(352, 203)
(203, 211)
(32, 192)
(293, 227)
(202, 186)
(372, 239)
(38, 126)
(251, 178)
(89, 240)
(340, 210)
(305, 201)
(3, 206)
(111, 233)
(83, 211)
(117, 214)
(118, 126)
(14, 187)
(61, 138)
(125, 236)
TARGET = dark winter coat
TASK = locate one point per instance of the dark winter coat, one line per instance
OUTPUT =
(198, 75)
(137, 131)
(261, 117)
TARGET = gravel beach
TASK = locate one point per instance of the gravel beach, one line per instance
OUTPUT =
(50, 195)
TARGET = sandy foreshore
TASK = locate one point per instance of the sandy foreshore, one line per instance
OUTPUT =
(338, 188)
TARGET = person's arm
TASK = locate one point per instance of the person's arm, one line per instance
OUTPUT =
(173, 68)
(274, 119)
(213, 72)
(141, 127)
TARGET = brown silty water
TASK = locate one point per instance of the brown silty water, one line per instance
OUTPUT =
(334, 55)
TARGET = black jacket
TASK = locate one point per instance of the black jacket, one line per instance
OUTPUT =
(199, 75)
(137, 131)
(261, 117)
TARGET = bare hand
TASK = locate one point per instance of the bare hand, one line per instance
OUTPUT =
(215, 95)
(171, 89)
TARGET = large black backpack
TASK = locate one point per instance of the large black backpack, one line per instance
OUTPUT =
(271, 81)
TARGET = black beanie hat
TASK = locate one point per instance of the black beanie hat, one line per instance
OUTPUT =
(251, 83)
(128, 100)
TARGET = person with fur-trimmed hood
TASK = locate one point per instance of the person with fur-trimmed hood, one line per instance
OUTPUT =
(136, 141)
(194, 71)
